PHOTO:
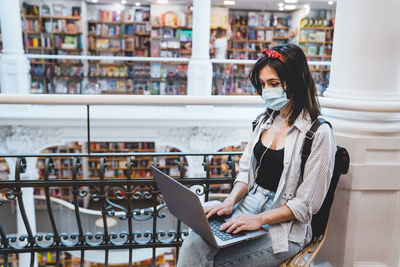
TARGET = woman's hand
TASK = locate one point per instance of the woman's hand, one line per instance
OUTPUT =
(224, 208)
(242, 222)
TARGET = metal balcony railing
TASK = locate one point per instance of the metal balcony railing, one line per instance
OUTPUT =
(124, 226)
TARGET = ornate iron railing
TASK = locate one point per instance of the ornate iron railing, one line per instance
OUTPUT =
(116, 198)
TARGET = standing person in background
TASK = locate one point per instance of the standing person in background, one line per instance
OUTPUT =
(220, 44)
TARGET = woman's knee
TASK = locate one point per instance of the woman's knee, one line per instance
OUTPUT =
(195, 251)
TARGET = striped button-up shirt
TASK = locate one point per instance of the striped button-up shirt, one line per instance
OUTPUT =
(303, 199)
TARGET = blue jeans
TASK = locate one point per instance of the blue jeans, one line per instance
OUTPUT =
(196, 251)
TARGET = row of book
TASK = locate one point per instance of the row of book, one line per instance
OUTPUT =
(316, 49)
(49, 71)
(317, 22)
(62, 26)
(38, 42)
(232, 86)
(128, 86)
(105, 29)
(67, 41)
(128, 44)
(58, 86)
(127, 15)
(121, 146)
(318, 36)
(261, 19)
(30, 25)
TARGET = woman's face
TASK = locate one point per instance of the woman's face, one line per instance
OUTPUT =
(269, 78)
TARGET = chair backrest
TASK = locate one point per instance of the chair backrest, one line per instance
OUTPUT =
(320, 220)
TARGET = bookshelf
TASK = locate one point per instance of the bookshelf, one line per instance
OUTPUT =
(59, 34)
(316, 40)
(116, 166)
(219, 168)
(251, 33)
(120, 33)
(171, 36)
(254, 31)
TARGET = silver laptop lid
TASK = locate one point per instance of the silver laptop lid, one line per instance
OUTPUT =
(184, 204)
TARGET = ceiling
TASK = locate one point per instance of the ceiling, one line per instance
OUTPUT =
(240, 4)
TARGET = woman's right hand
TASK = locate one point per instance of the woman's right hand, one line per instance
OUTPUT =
(224, 208)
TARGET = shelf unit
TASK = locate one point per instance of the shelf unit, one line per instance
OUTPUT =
(121, 34)
(254, 31)
(116, 166)
(60, 35)
(316, 40)
(251, 33)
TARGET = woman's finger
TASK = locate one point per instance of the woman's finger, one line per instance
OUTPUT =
(211, 212)
(232, 227)
(241, 228)
(225, 225)
(224, 210)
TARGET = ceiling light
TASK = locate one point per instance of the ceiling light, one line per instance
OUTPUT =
(280, 4)
(94, 1)
(229, 2)
(162, 1)
(281, 8)
(123, 2)
(330, 2)
(290, 7)
(291, 1)
(137, 4)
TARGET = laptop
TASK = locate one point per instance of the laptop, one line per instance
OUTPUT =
(186, 206)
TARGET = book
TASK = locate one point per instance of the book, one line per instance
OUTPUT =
(252, 19)
(102, 44)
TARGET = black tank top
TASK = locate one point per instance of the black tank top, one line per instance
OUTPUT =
(270, 171)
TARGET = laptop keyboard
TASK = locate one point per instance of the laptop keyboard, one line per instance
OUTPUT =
(215, 223)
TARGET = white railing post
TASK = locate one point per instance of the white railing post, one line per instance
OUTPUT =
(200, 68)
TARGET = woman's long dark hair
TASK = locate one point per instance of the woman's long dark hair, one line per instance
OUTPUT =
(294, 72)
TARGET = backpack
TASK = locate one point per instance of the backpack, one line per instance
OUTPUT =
(319, 220)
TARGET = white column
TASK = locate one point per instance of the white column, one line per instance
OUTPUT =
(364, 226)
(14, 66)
(200, 68)
(366, 54)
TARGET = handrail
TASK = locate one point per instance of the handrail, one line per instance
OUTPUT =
(109, 58)
(250, 62)
(156, 59)
(60, 99)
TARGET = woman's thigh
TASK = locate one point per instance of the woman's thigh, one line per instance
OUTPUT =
(256, 252)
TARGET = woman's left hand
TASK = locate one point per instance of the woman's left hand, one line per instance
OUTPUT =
(242, 222)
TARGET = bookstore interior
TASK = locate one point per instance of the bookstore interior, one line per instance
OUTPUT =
(155, 29)
(163, 29)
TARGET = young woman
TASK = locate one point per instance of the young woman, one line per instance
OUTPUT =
(268, 191)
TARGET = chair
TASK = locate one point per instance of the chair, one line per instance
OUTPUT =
(319, 222)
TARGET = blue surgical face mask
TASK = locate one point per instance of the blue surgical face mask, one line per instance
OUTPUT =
(275, 98)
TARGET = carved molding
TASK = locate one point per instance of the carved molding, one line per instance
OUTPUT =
(21, 139)
(200, 139)
(197, 139)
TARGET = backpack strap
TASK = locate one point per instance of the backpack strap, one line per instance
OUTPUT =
(257, 120)
(308, 143)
